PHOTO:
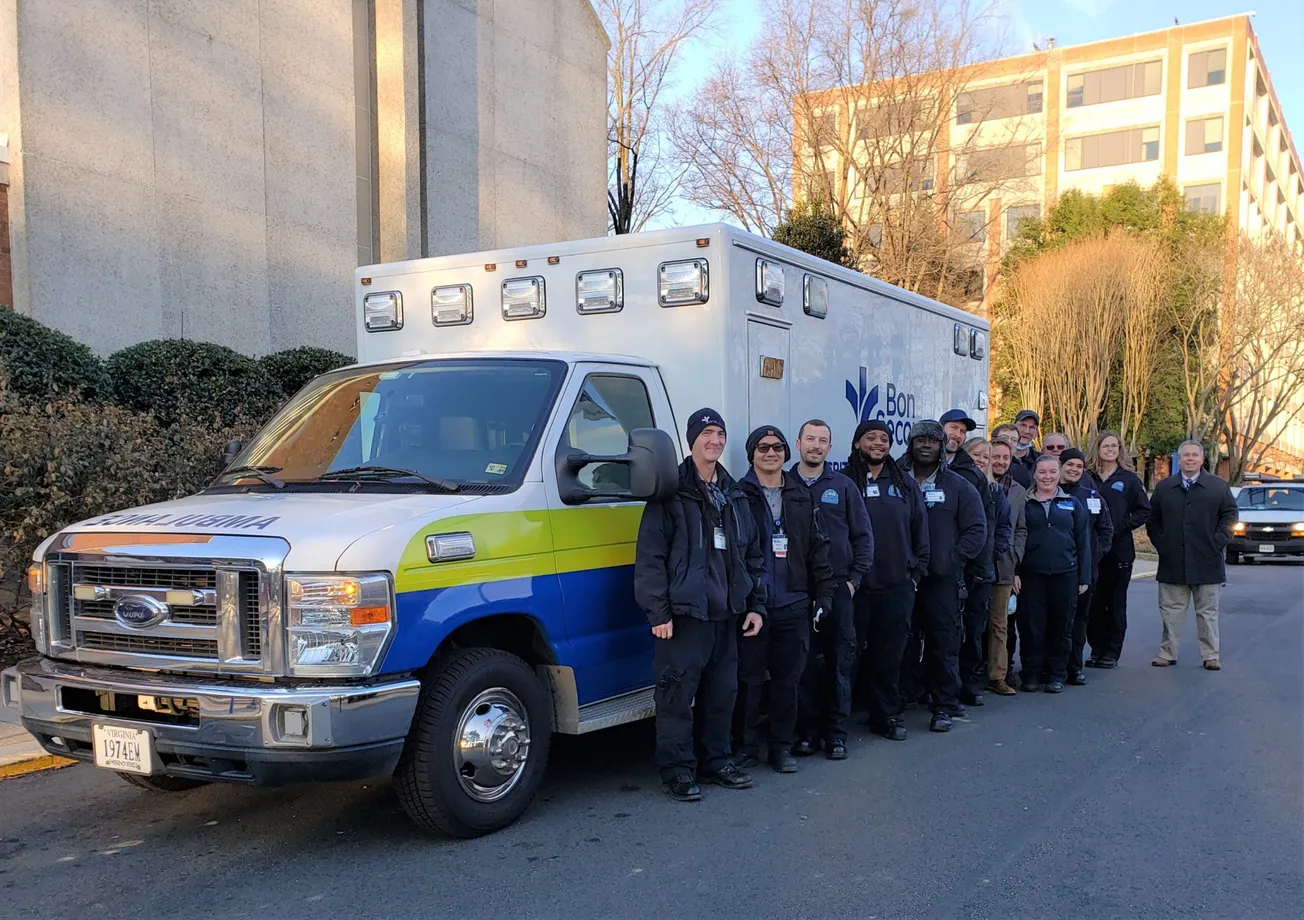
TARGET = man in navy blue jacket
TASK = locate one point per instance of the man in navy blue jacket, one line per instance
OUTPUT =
(825, 702)
(887, 595)
(957, 532)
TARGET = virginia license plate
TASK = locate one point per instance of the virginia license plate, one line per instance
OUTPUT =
(1267, 548)
(126, 749)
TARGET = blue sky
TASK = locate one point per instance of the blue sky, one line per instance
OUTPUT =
(1278, 24)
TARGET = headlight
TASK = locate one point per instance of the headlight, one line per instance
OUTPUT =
(36, 585)
(1297, 529)
(1239, 528)
(337, 624)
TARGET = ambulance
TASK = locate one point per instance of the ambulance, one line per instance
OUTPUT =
(422, 565)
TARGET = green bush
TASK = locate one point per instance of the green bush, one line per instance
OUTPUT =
(294, 367)
(42, 362)
(179, 380)
(63, 460)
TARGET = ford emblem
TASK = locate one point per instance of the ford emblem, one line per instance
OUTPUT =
(139, 611)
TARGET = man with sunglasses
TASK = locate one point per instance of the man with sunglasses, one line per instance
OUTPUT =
(799, 584)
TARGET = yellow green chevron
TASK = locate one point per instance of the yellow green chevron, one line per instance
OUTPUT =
(522, 544)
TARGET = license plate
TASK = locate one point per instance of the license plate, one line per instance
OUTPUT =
(1267, 548)
(126, 749)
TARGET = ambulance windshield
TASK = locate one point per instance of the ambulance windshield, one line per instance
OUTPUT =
(462, 421)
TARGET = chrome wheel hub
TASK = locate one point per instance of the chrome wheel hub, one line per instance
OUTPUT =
(492, 745)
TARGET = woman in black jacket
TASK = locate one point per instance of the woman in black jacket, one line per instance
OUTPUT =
(1056, 568)
(1129, 508)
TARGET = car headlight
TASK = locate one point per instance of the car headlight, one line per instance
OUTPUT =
(337, 625)
(1297, 529)
(36, 586)
(1239, 528)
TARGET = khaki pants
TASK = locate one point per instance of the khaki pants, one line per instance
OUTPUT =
(1173, 601)
(997, 633)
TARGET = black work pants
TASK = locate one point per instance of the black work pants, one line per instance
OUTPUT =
(779, 648)
(936, 627)
(973, 648)
(699, 661)
(1108, 622)
(883, 626)
(1078, 636)
(1046, 607)
(824, 703)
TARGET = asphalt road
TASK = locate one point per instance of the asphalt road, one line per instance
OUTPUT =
(1149, 793)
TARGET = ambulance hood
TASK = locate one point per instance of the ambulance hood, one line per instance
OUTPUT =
(319, 527)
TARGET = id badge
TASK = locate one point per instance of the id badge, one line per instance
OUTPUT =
(871, 490)
(720, 542)
(1093, 505)
(779, 543)
(935, 496)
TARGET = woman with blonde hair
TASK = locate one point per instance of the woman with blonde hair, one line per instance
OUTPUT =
(1129, 508)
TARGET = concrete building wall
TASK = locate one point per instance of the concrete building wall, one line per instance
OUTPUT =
(215, 170)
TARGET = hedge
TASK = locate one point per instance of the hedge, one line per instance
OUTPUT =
(294, 367)
(180, 380)
(43, 362)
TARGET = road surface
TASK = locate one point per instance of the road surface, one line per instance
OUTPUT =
(1148, 793)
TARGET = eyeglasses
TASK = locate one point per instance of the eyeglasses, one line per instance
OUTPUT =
(769, 448)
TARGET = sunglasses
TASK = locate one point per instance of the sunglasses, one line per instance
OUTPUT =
(769, 448)
(1056, 448)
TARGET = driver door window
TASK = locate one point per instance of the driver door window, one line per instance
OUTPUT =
(608, 408)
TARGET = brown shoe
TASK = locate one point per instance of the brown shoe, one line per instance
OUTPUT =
(1163, 662)
(1212, 665)
(1001, 688)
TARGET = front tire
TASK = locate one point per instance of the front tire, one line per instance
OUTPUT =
(1233, 557)
(162, 782)
(478, 747)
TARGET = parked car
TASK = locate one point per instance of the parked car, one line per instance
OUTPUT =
(1271, 521)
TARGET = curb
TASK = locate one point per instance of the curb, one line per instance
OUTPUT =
(36, 764)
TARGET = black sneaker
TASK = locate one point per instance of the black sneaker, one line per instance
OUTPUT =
(783, 762)
(835, 750)
(1055, 686)
(1106, 664)
(1077, 679)
(803, 748)
(730, 777)
(941, 722)
(892, 731)
(683, 789)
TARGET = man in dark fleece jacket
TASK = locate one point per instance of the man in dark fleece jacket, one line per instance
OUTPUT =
(697, 568)
(798, 581)
(887, 595)
(825, 703)
(957, 531)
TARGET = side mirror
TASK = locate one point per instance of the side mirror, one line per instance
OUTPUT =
(648, 471)
(231, 451)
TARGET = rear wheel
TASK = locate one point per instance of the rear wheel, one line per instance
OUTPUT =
(162, 782)
(1233, 557)
(478, 747)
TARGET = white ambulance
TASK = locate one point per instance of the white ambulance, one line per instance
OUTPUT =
(423, 564)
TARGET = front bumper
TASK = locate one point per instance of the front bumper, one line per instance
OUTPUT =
(1282, 545)
(231, 731)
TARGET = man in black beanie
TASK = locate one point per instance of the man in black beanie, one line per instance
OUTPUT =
(798, 582)
(887, 595)
(698, 567)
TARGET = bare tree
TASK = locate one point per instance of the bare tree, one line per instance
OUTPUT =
(1143, 328)
(1262, 350)
(1199, 278)
(648, 37)
(866, 105)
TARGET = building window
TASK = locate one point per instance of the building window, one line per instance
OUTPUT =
(1204, 135)
(1018, 215)
(1203, 199)
(969, 226)
(912, 175)
(825, 129)
(1116, 148)
(1206, 68)
(993, 164)
(1129, 81)
(998, 102)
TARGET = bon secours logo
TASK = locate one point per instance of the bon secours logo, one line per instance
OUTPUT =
(898, 408)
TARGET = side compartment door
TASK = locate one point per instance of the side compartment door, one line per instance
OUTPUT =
(594, 543)
(769, 393)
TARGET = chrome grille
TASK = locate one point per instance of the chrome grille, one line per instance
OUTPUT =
(133, 577)
(149, 645)
(251, 615)
(202, 616)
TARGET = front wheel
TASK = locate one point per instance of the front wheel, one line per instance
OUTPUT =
(1233, 557)
(478, 747)
(162, 782)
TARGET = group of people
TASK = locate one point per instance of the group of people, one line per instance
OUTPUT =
(780, 601)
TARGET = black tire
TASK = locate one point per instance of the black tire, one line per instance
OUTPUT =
(162, 782)
(1233, 558)
(427, 779)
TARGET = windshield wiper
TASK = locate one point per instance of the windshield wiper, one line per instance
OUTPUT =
(388, 472)
(256, 472)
